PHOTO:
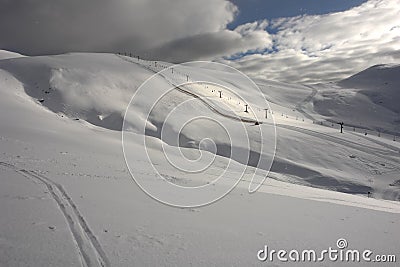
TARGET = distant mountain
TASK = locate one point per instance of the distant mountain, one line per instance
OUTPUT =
(380, 83)
(369, 99)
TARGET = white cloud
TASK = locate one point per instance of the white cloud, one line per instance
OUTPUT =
(250, 37)
(330, 47)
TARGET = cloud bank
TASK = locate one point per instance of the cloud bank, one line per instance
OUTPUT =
(56, 26)
(298, 49)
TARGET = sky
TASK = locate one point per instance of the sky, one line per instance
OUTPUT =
(298, 41)
(251, 10)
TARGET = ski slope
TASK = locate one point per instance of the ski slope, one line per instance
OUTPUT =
(69, 200)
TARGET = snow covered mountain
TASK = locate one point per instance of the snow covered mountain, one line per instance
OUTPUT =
(60, 142)
(380, 84)
(368, 99)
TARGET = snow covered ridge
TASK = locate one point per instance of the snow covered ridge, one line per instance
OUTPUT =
(4, 54)
(92, 87)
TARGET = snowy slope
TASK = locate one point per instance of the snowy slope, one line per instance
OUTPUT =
(379, 83)
(368, 99)
(65, 185)
(4, 54)
(80, 85)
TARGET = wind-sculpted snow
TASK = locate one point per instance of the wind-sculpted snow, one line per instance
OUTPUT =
(91, 87)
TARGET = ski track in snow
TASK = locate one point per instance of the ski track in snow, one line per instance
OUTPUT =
(88, 247)
(299, 107)
(390, 147)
